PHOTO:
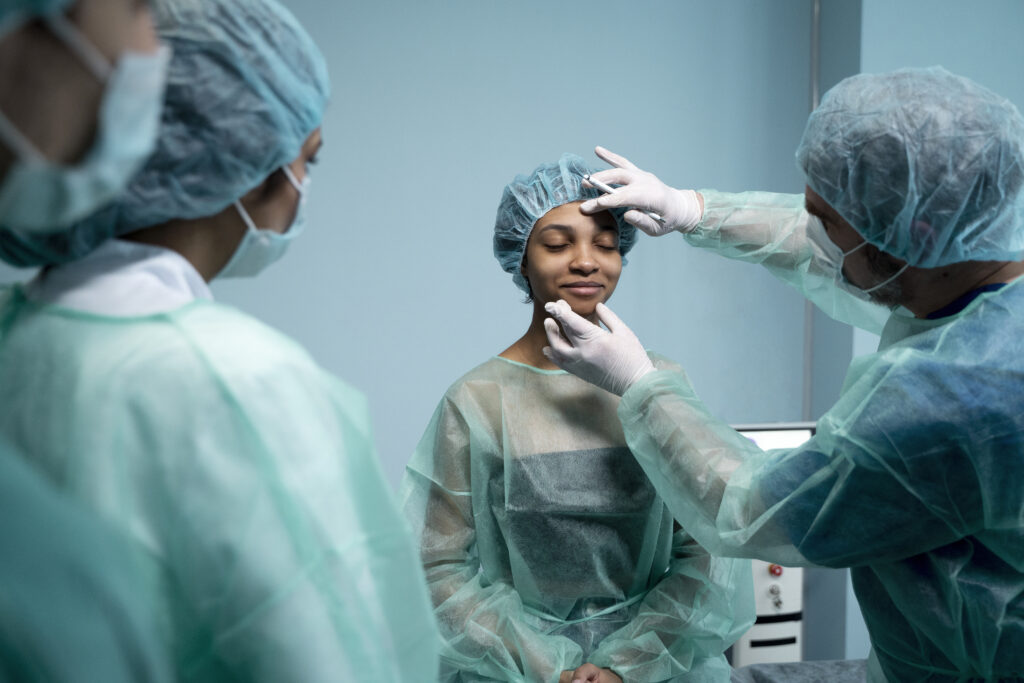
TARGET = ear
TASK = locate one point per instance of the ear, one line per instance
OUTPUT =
(264, 190)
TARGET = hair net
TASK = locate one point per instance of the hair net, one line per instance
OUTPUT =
(926, 165)
(13, 12)
(528, 197)
(246, 86)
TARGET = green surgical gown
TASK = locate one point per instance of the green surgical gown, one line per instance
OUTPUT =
(244, 471)
(914, 480)
(73, 605)
(545, 546)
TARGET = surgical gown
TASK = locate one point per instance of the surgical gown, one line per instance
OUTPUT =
(914, 480)
(545, 545)
(244, 471)
(72, 594)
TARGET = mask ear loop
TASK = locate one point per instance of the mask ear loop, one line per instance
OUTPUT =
(18, 143)
(94, 60)
(90, 55)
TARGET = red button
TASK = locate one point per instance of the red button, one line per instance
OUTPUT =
(775, 570)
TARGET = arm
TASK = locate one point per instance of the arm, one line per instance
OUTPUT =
(757, 227)
(687, 621)
(841, 499)
(483, 625)
(771, 230)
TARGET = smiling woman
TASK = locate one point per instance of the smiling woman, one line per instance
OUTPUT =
(548, 554)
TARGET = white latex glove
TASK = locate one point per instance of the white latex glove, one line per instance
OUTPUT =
(612, 359)
(681, 209)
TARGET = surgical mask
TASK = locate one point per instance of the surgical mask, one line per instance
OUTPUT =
(833, 258)
(261, 247)
(38, 195)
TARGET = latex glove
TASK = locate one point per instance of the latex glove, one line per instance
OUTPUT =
(681, 209)
(612, 359)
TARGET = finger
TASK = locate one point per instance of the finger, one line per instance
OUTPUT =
(616, 176)
(574, 326)
(610, 320)
(612, 158)
(556, 339)
(644, 222)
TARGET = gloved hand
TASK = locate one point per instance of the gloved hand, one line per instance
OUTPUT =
(612, 359)
(681, 209)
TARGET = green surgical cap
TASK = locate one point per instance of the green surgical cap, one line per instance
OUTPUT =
(246, 87)
(925, 165)
(13, 12)
(528, 197)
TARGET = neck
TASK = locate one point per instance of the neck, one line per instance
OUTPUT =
(932, 289)
(207, 243)
(528, 349)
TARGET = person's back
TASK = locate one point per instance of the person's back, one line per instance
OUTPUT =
(74, 603)
(245, 472)
(192, 430)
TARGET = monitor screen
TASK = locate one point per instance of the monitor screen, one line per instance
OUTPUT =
(777, 435)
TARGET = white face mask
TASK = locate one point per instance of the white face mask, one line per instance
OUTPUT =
(833, 258)
(261, 247)
(40, 196)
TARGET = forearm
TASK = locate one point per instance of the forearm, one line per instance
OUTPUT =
(692, 615)
(486, 631)
(772, 230)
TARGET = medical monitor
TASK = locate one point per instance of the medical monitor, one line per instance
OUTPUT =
(777, 434)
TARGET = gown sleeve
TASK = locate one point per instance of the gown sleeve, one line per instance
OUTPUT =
(700, 607)
(486, 632)
(869, 487)
(771, 229)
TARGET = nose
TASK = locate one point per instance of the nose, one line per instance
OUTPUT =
(583, 261)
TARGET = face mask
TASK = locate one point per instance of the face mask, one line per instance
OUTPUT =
(260, 247)
(38, 195)
(833, 257)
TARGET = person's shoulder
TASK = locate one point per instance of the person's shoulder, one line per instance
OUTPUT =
(244, 352)
(490, 370)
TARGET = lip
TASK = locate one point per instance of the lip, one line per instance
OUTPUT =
(584, 287)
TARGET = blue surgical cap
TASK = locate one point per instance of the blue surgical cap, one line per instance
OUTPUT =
(13, 12)
(528, 197)
(246, 87)
(925, 165)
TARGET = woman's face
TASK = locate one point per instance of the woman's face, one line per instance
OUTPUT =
(574, 257)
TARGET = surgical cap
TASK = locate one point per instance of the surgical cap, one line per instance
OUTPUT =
(16, 11)
(528, 197)
(925, 165)
(246, 87)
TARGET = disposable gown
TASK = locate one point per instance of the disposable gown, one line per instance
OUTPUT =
(545, 545)
(72, 594)
(245, 472)
(915, 478)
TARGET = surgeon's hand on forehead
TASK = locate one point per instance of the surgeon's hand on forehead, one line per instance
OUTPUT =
(643, 192)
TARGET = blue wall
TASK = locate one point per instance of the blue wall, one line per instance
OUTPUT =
(438, 104)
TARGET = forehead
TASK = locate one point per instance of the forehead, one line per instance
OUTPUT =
(570, 216)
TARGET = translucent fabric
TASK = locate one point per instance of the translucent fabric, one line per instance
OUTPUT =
(245, 472)
(913, 480)
(73, 604)
(926, 165)
(246, 87)
(545, 546)
(527, 198)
